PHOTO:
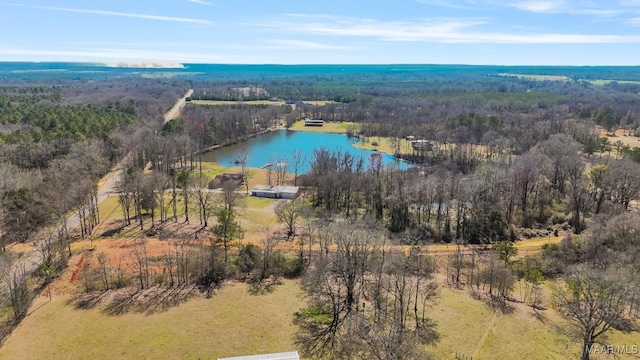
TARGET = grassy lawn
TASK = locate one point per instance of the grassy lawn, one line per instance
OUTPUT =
(329, 127)
(461, 323)
(225, 325)
(254, 221)
(253, 202)
(383, 145)
(234, 323)
(110, 209)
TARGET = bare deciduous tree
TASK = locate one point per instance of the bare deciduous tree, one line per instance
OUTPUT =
(288, 214)
(597, 303)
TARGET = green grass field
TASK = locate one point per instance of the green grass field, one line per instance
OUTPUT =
(253, 202)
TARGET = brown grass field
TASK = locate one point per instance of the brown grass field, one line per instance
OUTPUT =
(620, 135)
(231, 323)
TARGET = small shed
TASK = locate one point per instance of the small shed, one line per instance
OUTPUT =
(313, 122)
(275, 192)
(293, 355)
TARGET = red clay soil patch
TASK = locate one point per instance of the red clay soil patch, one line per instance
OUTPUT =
(76, 271)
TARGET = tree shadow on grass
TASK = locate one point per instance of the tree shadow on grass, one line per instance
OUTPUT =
(149, 301)
(260, 289)
(87, 301)
(263, 287)
(114, 231)
(499, 303)
(129, 300)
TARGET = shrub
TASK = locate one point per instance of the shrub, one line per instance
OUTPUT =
(293, 267)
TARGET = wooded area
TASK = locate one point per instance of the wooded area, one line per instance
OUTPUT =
(508, 159)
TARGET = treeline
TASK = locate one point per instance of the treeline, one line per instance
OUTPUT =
(220, 124)
(48, 123)
(245, 93)
(549, 188)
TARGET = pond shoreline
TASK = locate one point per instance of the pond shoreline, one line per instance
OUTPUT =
(280, 142)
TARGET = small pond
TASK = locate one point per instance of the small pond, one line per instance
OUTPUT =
(270, 147)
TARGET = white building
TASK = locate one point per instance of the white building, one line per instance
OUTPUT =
(279, 356)
(275, 192)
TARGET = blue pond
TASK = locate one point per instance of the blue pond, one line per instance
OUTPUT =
(271, 147)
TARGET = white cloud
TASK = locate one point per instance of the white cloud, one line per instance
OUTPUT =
(438, 31)
(629, 2)
(447, 4)
(304, 45)
(574, 7)
(566, 7)
(202, 2)
(537, 5)
(124, 14)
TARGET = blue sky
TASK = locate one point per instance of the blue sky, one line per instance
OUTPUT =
(504, 32)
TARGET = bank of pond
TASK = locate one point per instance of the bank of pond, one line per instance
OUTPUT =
(273, 147)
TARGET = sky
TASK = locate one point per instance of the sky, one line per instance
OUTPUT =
(482, 32)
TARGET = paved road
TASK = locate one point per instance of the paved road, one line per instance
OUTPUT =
(31, 260)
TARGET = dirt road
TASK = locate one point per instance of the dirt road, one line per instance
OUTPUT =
(175, 110)
(30, 259)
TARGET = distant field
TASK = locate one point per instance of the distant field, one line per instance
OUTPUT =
(329, 127)
(319, 102)
(222, 102)
(537, 77)
(603, 82)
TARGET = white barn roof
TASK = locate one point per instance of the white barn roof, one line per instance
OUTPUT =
(279, 356)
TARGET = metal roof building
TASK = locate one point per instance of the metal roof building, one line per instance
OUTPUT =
(279, 356)
(275, 192)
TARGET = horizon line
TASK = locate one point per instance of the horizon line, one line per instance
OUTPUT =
(114, 64)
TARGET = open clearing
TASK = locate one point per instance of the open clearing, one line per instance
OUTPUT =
(537, 77)
(239, 102)
(319, 102)
(620, 135)
(328, 127)
(604, 82)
